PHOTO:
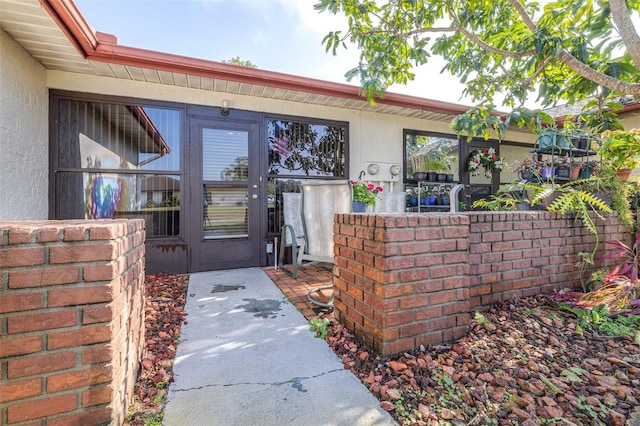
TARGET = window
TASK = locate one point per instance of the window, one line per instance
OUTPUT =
(301, 150)
(117, 160)
(425, 152)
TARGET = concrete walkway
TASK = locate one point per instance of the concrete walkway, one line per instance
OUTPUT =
(247, 357)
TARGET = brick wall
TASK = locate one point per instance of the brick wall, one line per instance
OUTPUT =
(71, 320)
(516, 254)
(405, 280)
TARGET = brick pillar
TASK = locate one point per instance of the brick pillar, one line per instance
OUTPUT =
(401, 280)
(72, 320)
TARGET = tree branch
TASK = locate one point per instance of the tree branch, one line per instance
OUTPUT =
(618, 7)
(524, 15)
(484, 45)
(598, 77)
(626, 29)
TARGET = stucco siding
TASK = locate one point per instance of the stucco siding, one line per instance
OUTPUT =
(632, 121)
(24, 146)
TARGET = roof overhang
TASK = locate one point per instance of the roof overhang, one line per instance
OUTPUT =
(56, 34)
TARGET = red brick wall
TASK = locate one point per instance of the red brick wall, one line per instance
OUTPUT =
(405, 280)
(71, 320)
(516, 254)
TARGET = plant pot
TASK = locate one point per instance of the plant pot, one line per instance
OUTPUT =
(446, 201)
(423, 201)
(575, 172)
(562, 172)
(431, 201)
(441, 177)
(585, 173)
(359, 207)
(413, 201)
(526, 175)
(431, 176)
(582, 143)
(521, 207)
(420, 176)
(547, 172)
(450, 177)
(550, 138)
(623, 174)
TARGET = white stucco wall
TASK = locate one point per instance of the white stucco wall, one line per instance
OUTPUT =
(631, 121)
(24, 143)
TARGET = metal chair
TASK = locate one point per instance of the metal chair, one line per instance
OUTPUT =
(308, 225)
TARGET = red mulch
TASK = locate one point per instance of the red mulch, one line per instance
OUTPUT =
(524, 363)
(165, 297)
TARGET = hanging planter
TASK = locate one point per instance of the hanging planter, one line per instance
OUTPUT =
(485, 159)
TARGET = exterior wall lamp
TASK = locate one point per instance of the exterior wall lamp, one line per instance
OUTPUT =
(224, 110)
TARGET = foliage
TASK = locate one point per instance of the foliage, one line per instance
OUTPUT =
(366, 192)
(599, 318)
(620, 149)
(485, 158)
(240, 62)
(508, 197)
(566, 50)
(320, 326)
(172, 201)
(627, 257)
(239, 170)
(525, 165)
(570, 198)
(430, 154)
(621, 193)
(500, 202)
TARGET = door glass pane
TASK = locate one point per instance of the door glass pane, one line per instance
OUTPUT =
(225, 155)
(225, 171)
(225, 212)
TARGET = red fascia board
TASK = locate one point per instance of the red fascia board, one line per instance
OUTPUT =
(131, 56)
(104, 48)
(68, 17)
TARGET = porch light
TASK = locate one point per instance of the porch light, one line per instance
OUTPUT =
(224, 110)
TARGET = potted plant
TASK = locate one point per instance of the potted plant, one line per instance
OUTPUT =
(620, 150)
(547, 169)
(525, 169)
(364, 194)
(580, 140)
(550, 137)
(575, 169)
(412, 197)
(562, 169)
(588, 169)
(432, 166)
(416, 165)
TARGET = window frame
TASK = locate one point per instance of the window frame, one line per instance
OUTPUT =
(55, 96)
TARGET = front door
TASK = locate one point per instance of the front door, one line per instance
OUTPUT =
(226, 195)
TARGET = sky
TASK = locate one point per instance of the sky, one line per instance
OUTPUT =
(276, 35)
